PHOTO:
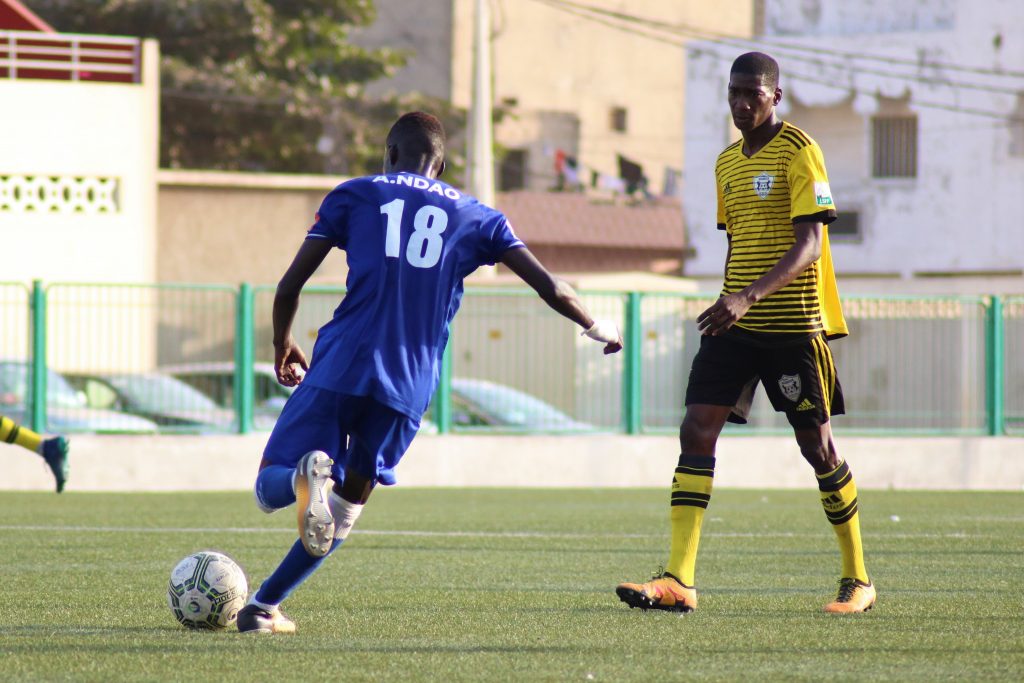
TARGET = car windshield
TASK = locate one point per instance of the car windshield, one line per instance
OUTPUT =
(14, 387)
(158, 393)
(510, 406)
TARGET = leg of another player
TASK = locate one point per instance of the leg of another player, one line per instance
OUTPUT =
(691, 491)
(54, 450)
(839, 499)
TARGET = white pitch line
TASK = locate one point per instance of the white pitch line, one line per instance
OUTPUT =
(457, 534)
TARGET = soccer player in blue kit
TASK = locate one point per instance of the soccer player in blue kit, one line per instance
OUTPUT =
(410, 240)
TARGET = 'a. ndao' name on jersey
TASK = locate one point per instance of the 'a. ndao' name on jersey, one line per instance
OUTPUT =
(419, 183)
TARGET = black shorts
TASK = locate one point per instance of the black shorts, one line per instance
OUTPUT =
(800, 378)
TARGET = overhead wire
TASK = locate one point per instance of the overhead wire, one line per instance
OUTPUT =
(827, 52)
(606, 17)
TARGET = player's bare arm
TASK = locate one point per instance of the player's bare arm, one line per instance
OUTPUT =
(559, 295)
(288, 357)
(724, 313)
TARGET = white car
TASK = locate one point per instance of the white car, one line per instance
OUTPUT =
(67, 410)
(477, 404)
(216, 379)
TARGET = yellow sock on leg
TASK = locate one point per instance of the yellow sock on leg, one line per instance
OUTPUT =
(12, 432)
(839, 498)
(691, 491)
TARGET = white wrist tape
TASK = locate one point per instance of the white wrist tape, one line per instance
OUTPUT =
(345, 515)
(603, 331)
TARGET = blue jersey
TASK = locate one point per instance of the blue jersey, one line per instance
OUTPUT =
(409, 241)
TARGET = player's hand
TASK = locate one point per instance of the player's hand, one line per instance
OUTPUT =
(613, 347)
(288, 359)
(723, 314)
(607, 332)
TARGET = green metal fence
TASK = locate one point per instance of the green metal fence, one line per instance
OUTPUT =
(910, 365)
(111, 345)
(15, 352)
(1013, 365)
(177, 358)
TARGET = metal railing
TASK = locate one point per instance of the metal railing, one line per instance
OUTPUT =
(69, 56)
(1008, 368)
(184, 358)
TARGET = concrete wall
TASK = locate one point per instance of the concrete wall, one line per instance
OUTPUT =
(425, 34)
(212, 463)
(89, 149)
(801, 17)
(237, 227)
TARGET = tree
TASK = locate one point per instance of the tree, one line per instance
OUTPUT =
(260, 85)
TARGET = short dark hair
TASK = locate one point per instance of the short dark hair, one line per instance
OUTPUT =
(757, 64)
(418, 134)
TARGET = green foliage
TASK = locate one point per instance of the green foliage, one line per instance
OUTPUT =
(506, 585)
(260, 85)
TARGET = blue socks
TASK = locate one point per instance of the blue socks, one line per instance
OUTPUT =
(274, 487)
(275, 490)
(296, 567)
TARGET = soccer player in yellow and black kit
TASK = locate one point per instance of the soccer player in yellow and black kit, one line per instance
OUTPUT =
(779, 306)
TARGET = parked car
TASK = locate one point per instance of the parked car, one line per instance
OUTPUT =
(67, 410)
(217, 381)
(476, 404)
(481, 404)
(170, 403)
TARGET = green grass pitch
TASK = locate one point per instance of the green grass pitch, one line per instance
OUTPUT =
(474, 585)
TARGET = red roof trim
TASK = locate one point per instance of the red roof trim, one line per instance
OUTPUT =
(28, 16)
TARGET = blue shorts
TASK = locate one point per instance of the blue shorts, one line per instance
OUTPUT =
(359, 433)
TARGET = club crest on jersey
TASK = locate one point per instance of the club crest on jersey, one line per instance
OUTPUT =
(763, 184)
(790, 386)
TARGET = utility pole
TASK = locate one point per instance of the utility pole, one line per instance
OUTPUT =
(481, 140)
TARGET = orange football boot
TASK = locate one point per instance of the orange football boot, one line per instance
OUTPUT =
(854, 596)
(664, 592)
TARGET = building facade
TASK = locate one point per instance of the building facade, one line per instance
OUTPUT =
(584, 82)
(78, 156)
(919, 109)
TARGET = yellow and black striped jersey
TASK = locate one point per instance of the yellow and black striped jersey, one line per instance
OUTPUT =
(759, 199)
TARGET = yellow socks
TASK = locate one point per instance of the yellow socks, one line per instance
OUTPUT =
(691, 491)
(839, 498)
(12, 432)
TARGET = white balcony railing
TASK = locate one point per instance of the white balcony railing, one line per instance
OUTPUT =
(69, 57)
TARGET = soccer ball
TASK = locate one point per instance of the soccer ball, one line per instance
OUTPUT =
(206, 590)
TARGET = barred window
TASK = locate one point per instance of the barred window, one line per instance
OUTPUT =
(894, 147)
(846, 228)
(512, 172)
(617, 119)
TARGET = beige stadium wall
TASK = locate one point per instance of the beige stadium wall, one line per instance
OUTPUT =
(229, 463)
(219, 227)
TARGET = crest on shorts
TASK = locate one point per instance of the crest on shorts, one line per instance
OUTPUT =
(763, 184)
(790, 386)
